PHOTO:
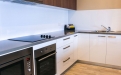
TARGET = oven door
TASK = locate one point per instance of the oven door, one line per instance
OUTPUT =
(45, 65)
(15, 67)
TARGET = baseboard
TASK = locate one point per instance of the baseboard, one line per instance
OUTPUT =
(99, 64)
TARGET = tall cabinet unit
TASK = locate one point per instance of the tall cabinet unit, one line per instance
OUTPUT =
(83, 51)
(113, 50)
(98, 48)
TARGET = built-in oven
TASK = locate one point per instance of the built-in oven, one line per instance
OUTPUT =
(17, 63)
(45, 60)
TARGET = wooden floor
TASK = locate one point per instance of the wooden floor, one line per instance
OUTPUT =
(85, 69)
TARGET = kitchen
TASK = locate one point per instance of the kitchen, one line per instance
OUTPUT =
(96, 48)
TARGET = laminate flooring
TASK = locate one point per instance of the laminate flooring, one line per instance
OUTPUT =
(85, 69)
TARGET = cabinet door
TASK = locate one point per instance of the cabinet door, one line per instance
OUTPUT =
(113, 50)
(97, 48)
(57, 3)
(83, 51)
(75, 47)
(37, 1)
(65, 3)
(48, 2)
(72, 4)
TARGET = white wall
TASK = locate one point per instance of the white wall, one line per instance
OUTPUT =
(21, 20)
(93, 19)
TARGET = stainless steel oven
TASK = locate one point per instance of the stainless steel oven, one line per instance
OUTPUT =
(17, 63)
(45, 60)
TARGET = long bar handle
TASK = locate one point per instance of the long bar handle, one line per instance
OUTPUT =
(75, 36)
(101, 36)
(66, 47)
(111, 36)
(66, 38)
(47, 56)
(66, 60)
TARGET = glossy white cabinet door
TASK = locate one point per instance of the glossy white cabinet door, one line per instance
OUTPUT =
(113, 50)
(97, 48)
(75, 44)
(83, 51)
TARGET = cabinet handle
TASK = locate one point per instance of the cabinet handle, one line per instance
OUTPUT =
(47, 56)
(111, 36)
(101, 36)
(66, 60)
(66, 47)
(66, 38)
(75, 36)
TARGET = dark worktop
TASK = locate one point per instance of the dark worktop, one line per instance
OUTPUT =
(7, 46)
(108, 33)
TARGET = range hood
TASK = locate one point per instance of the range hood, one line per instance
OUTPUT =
(21, 2)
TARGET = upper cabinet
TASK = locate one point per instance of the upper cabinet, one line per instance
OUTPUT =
(57, 3)
(69, 4)
(72, 4)
(48, 2)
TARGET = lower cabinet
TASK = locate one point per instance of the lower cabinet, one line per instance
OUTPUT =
(75, 44)
(64, 51)
(83, 50)
(98, 48)
(64, 64)
(67, 50)
(113, 50)
(64, 57)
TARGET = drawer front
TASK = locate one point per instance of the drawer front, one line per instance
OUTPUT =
(64, 64)
(64, 51)
(64, 41)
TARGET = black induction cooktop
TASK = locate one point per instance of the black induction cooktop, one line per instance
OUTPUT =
(32, 38)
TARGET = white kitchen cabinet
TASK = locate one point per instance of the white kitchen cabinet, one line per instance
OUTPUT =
(64, 64)
(64, 41)
(83, 51)
(98, 48)
(113, 50)
(65, 53)
(67, 62)
(75, 44)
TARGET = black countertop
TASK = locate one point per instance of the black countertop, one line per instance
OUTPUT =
(7, 46)
(108, 33)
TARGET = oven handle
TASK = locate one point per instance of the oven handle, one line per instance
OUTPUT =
(47, 56)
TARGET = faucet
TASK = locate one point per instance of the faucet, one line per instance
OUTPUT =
(107, 29)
